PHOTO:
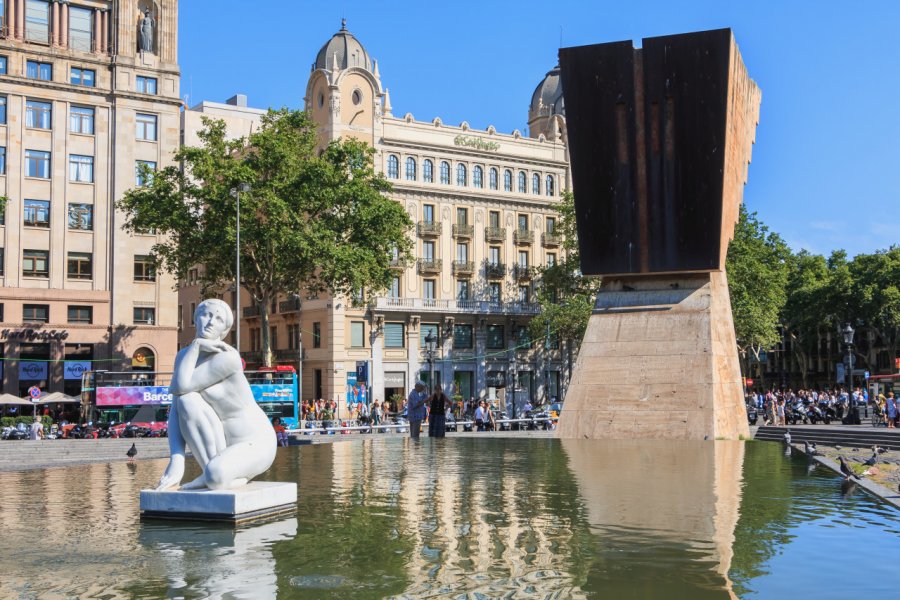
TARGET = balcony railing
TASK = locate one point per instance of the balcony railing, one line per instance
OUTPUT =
(287, 354)
(521, 272)
(495, 234)
(495, 270)
(523, 236)
(429, 228)
(250, 311)
(254, 356)
(463, 231)
(551, 239)
(429, 267)
(456, 306)
(461, 267)
(398, 264)
(289, 306)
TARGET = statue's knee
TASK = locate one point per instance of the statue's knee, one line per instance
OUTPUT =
(216, 476)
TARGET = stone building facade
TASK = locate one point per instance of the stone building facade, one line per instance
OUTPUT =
(81, 106)
(484, 205)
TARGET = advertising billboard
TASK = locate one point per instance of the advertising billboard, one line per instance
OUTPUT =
(134, 395)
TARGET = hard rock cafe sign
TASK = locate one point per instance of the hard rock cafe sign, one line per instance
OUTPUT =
(34, 334)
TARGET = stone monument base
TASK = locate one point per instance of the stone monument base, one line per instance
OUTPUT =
(658, 360)
(256, 500)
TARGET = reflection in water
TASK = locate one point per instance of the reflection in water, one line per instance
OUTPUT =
(389, 517)
(234, 561)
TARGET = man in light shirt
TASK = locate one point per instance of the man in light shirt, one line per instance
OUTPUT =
(479, 417)
(415, 404)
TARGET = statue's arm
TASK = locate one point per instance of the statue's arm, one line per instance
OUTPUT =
(175, 469)
(191, 377)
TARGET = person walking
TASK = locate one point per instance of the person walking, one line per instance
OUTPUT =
(479, 417)
(439, 404)
(891, 409)
(415, 410)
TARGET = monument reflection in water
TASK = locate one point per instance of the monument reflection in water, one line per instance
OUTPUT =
(387, 517)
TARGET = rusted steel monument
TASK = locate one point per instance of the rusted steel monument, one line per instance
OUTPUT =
(660, 140)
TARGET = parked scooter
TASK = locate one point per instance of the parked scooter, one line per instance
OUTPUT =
(752, 414)
(797, 414)
(816, 414)
(11, 433)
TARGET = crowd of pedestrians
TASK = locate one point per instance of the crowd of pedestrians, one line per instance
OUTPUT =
(775, 405)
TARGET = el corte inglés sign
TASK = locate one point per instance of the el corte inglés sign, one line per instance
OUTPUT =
(477, 143)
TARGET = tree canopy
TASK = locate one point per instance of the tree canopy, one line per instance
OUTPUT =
(318, 221)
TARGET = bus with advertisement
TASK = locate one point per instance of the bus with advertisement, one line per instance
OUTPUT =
(143, 396)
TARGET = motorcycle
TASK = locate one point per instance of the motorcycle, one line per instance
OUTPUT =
(797, 414)
(11, 433)
(752, 414)
(816, 414)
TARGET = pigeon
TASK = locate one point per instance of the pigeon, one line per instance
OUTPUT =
(879, 449)
(837, 447)
(871, 462)
(132, 452)
(787, 437)
(810, 449)
(846, 470)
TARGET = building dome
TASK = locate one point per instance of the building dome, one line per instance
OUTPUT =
(347, 49)
(547, 98)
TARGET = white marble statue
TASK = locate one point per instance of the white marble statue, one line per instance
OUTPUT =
(213, 411)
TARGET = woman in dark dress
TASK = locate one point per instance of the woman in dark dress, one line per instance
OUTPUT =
(437, 415)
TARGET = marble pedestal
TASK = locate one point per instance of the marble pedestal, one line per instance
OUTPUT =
(658, 360)
(256, 500)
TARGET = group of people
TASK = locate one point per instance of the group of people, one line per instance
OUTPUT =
(774, 404)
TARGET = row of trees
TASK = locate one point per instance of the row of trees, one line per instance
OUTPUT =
(806, 296)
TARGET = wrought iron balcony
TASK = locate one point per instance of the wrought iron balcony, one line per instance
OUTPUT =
(523, 236)
(289, 306)
(495, 234)
(428, 305)
(429, 267)
(250, 311)
(429, 228)
(521, 272)
(495, 270)
(461, 267)
(398, 264)
(551, 239)
(287, 354)
(463, 231)
(254, 356)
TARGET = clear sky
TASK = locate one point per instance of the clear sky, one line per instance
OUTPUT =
(826, 165)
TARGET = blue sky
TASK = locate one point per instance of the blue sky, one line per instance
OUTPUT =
(826, 165)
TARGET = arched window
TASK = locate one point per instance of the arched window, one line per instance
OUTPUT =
(445, 172)
(507, 180)
(428, 171)
(478, 177)
(535, 184)
(461, 175)
(410, 169)
(492, 178)
(549, 185)
(143, 359)
(393, 167)
(523, 182)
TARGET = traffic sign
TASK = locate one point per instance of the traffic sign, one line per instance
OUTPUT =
(35, 393)
(362, 371)
(866, 375)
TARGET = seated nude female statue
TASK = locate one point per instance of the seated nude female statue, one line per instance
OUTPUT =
(213, 411)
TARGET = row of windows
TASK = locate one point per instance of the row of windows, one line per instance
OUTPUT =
(79, 265)
(39, 115)
(462, 176)
(81, 167)
(493, 290)
(43, 71)
(495, 253)
(40, 313)
(463, 335)
(36, 213)
(462, 218)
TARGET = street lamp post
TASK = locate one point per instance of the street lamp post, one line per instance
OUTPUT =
(236, 194)
(430, 348)
(852, 411)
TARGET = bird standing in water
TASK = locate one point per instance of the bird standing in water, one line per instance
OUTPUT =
(132, 452)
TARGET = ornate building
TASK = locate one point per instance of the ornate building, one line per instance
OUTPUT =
(484, 207)
(89, 90)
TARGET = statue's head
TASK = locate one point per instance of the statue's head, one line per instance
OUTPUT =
(213, 319)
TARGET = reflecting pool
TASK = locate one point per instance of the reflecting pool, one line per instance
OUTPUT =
(468, 518)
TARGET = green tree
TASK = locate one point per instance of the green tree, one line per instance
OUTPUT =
(566, 297)
(874, 299)
(311, 221)
(807, 312)
(757, 267)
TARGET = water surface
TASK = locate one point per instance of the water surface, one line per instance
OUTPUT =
(467, 518)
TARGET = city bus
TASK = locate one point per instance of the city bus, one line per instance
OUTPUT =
(132, 396)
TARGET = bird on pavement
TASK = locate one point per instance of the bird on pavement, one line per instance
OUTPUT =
(846, 470)
(837, 447)
(132, 452)
(787, 437)
(871, 462)
(810, 449)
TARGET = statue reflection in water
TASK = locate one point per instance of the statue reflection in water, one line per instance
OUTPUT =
(215, 561)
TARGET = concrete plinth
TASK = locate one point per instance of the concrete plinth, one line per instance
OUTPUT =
(256, 500)
(658, 360)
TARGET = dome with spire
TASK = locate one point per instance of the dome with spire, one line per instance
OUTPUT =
(344, 50)
(547, 98)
